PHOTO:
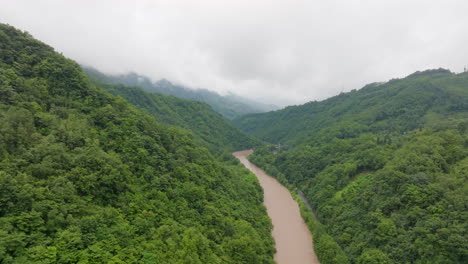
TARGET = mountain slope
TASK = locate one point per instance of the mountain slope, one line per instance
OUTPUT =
(230, 106)
(87, 178)
(385, 168)
(399, 105)
(209, 127)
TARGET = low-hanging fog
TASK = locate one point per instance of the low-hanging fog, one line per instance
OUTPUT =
(278, 51)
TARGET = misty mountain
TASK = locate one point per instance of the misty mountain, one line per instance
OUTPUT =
(230, 105)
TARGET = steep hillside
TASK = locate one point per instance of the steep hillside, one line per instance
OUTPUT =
(230, 106)
(209, 127)
(399, 105)
(385, 168)
(87, 178)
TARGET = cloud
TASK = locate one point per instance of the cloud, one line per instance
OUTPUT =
(279, 51)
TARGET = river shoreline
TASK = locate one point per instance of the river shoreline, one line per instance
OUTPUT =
(293, 240)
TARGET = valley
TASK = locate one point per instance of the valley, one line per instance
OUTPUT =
(384, 168)
(118, 169)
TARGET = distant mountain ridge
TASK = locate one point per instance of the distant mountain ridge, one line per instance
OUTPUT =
(210, 128)
(230, 106)
(397, 105)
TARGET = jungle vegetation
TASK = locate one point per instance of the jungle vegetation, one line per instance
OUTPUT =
(385, 167)
(85, 177)
(210, 128)
(230, 105)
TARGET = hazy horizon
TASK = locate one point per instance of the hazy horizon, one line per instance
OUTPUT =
(280, 106)
(281, 52)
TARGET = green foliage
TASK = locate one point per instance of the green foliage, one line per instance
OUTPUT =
(385, 168)
(421, 100)
(230, 106)
(326, 248)
(210, 128)
(373, 256)
(87, 178)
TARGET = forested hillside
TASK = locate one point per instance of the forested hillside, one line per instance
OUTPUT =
(385, 167)
(230, 106)
(210, 128)
(87, 178)
(423, 99)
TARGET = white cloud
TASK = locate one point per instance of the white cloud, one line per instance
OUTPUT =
(282, 51)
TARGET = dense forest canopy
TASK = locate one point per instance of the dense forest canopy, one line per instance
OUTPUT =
(230, 106)
(210, 128)
(85, 177)
(385, 167)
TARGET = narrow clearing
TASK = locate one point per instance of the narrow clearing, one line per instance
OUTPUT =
(292, 237)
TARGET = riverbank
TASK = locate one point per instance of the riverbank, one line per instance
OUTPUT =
(292, 237)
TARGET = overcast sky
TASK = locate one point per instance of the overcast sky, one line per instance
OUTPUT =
(280, 51)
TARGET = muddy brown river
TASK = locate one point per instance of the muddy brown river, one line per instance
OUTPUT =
(292, 237)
